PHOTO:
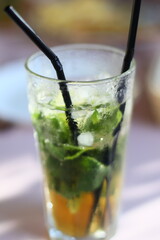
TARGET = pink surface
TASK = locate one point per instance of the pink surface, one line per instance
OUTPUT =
(21, 212)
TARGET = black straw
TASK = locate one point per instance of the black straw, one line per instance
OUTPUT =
(126, 65)
(109, 154)
(55, 62)
(130, 47)
(132, 35)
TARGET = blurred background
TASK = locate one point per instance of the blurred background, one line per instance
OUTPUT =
(95, 21)
(74, 21)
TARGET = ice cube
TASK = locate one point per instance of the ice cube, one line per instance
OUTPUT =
(85, 139)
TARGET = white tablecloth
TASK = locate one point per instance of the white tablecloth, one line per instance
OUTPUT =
(21, 212)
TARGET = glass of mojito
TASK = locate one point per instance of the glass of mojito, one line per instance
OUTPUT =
(82, 178)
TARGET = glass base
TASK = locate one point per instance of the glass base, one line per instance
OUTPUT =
(55, 234)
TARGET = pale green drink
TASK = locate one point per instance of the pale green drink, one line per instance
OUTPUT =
(82, 181)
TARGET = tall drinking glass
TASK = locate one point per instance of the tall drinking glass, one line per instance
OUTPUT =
(83, 178)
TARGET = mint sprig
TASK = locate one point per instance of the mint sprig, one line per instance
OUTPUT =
(103, 120)
(70, 178)
(72, 169)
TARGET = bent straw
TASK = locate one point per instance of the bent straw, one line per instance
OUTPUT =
(55, 62)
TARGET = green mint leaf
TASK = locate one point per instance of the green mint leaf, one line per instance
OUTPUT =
(70, 178)
(103, 120)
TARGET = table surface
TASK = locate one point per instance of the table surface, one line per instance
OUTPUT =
(21, 212)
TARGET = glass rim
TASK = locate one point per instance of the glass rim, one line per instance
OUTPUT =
(81, 46)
